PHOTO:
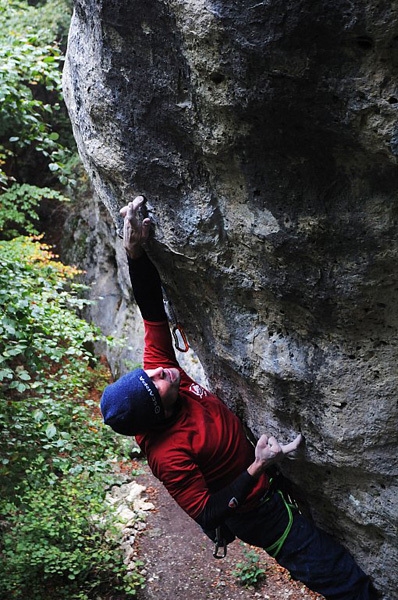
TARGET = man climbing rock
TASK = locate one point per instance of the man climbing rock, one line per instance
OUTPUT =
(198, 448)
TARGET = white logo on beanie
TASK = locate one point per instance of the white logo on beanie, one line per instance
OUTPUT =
(156, 405)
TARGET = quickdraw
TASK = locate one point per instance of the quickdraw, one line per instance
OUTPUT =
(180, 339)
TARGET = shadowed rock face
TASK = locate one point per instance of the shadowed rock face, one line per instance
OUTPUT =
(264, 135)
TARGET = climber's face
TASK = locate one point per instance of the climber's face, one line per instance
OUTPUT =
(167, 382)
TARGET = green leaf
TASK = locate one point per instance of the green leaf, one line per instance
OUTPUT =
(6, 374)
(21, 387)
(38, 415)
(24, 375)
(51, 430)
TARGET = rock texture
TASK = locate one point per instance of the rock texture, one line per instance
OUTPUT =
(264, 135)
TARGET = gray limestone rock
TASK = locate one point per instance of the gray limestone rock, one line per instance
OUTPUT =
(264, 135)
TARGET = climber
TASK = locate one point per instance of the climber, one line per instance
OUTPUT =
(198, 448)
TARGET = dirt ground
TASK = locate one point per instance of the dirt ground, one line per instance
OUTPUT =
(179, 563)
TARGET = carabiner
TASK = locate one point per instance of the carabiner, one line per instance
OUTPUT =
(180, 339)
(216, 548)
(178, 331)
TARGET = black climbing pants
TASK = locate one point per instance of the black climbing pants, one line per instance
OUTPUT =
(310, 555)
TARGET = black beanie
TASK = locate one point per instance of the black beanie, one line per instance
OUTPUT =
(132, 404)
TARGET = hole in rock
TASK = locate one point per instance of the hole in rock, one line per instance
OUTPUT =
(217, 77)
(379, 343)
(394, 42)
(365, 42)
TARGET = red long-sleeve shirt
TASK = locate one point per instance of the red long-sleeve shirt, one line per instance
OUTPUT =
(204, 448)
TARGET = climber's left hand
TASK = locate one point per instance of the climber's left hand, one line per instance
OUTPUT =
(135, 231)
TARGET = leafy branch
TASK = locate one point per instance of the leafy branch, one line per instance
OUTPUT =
(30, 94)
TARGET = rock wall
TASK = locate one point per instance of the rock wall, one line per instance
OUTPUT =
(264, 135)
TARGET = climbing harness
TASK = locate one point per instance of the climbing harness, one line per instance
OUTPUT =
(275, 548)
(222, 535)
(180, 339)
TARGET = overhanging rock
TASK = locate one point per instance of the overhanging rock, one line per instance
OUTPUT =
(264, 135)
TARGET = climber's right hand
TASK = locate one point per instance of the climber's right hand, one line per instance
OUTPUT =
(268, 451)
(135, 231)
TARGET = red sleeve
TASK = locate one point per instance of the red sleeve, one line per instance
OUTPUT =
(158, 346)
(184, 482)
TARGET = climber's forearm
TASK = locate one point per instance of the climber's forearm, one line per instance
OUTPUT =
(223, 503)
(147, 287)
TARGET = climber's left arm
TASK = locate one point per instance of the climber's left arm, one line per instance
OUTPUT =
(144, 276)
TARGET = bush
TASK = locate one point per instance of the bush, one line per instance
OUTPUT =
(40, 330)
(30, 91)
(57, 539)
(248, 572)
(60, 543)
(18, 209)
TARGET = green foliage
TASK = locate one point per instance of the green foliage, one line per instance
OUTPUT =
(51, 18)
(38, 321)
(57, 539)
(249, 573)
(18, 209)
(30, 89)
(62, 541)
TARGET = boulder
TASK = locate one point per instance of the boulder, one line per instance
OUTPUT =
(264, 136)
